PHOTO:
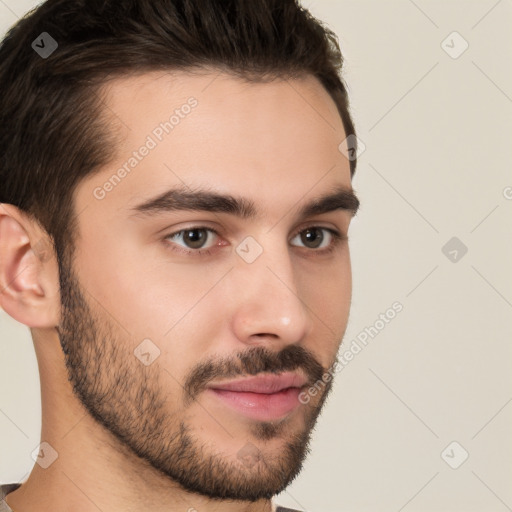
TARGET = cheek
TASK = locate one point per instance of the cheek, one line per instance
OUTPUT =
(142, 295)
(156, 310)
(327, 290)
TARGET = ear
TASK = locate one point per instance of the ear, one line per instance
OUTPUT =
(29, 277)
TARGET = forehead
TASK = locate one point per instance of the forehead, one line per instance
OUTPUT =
(276, 140)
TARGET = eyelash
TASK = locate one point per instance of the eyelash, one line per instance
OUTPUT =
(337, 239)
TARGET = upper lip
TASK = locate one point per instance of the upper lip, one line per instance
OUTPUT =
(266, 384)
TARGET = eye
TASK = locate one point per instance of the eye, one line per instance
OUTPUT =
(193, 238)
(314, 238)
(199, 240)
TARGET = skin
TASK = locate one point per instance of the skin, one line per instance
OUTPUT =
(274, 143)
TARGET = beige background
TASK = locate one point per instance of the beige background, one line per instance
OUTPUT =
(437, 165)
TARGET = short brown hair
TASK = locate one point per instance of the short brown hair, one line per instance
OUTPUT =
(53, 130)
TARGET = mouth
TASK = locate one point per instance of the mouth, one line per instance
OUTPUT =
(265, 397)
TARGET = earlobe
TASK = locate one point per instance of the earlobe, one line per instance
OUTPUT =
(28, 277)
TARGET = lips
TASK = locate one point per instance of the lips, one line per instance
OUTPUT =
(263, 384)
(263, 398)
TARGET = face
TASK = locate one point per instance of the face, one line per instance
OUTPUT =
(210, 284)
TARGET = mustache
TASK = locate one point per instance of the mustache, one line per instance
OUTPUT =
(252, 362)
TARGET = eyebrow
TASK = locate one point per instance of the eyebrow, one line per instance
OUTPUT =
(181, 199)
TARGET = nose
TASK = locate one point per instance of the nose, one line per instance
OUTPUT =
(268, 306)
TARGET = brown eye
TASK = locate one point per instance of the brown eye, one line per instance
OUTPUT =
(195, 238)
(315, 237)
(312, 237)
(192, 238)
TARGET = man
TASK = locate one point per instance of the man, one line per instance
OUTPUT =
(175, 202)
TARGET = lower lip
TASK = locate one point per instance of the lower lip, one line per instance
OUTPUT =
(260, 406)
